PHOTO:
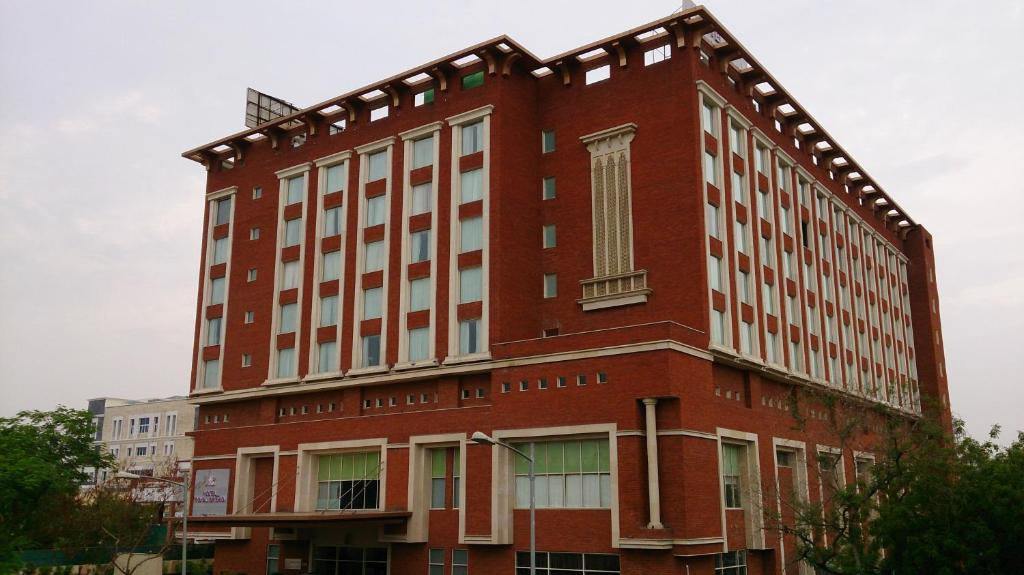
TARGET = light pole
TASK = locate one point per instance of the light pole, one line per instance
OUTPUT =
(184, 514)
(484, 439)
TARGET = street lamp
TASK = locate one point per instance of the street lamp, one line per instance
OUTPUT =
(484, 439)
(184, 514)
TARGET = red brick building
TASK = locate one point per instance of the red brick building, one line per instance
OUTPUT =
(642, 257)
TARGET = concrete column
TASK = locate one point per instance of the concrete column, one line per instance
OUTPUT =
(653, 489)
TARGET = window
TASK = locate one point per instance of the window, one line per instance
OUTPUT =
(290, 275)
(736, 139)
(211, 373)
(419, 246)
(371, 350)
(246, 360)
(547, 141)
(335, 179)
(143, 425)
(376, 209)
(560, 381)
(250, 316)
(223, 211)
(377, 166)
(379, 113)
(292, 232)
(419, 343)
(422, 201)
(294, 192)
(327, 357)
(331, 266)
(746, 337)
(273, 554)
(474, 80)
(524, 385)
(712, 217)
(419, 294)
(581, 380)
(374, 257)
(472, 138)
(743, 283)
(715, 272)
(568, 563)
(731, 461)
(550, 238)
(213, 331)
(718, 326)
(460, 560)
(598, 74)
(768, 295)
(471, 283)
(569, 474)
(710, 168)
(764, 205)
(216, 291)
(739, 188)
(372, 303)
(332, 222)
(254, 233)
(435, 562)
(348, 481)
(740, 233)
(424, 97)
(471, 185)
(550, 285)
(469, 336)
(220, 251)
(257, 193)
(439, 458)
(328, 311)
(731, 563)
(289, 312)
(506, 387)
(659, 54)
(549, 188)
(471, 234)
(708, 118)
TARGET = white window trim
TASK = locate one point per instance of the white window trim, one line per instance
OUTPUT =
(753, 501)
(212, 199)
(417, 528)
(305, 474)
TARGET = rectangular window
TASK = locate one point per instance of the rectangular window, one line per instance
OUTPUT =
(254, 233)
(376, 209)
(569, 474)
(474, 80)
(708, 118)
(374, 257)
(348, 481)
(223, 208)
(371, 350)
(471, 234)
(213, 331)
(419, 343)
(471, 186)
(328, 311)
(377, 166)
(286, 362)
(743, 284)
(294, 194)
(740, 236)
(768, 295)
(251, 276)
(711, 216)
(469, 336)
(731, 469)
(216, 291)
(598, 74)
(257, 193)
(246, 360)
(746, 337)
(568, 563)
(472, 138)
(335, 179)
(659, 54)
(273, 555)
(332, 222)
(289, 313)
(327, 360)
(419, 246)
(770, 344)
(438, 477)
(739, 188)
(220, 251)
(718, 327)
(372, 303)
(423, 152)
(710, 169)
(731, 563)
(549, 188)
(143, 425)
(422, 200)
(460, 562)
(292, 232)
(250, 316)
(419, 294)
(435, 562)
(550, 239)
(547, 138)
(424, 97)
(471, 284)
(550, 285)
(764, 204)
(290, 275)
(331, 266)
(715, 272)
(736, 139)
(763, 159)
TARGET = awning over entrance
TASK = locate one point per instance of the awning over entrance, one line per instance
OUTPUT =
(301, 519)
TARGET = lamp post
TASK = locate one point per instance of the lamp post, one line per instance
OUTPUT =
(184, 514)
(484, 439)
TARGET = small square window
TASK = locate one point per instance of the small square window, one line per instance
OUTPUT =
(465, 393)
(280, 413)
(479, 393)
(560, 381)
(424, 398)
(366, 404)
(257, 193)
(506, 387)
(254, 233)
(410, 399)
(392, 401)
(291, 411)
(250, 316)
(551, 332)
(524, 385)
(330, 407)
(252, 274)
(379, 113)
(581, 380)
(380, 402)
(542, 383)
(246, 360)
(602, 377)
(548, 141)
(305, 410)
(424, 97)
(319, 408)
(549, 188)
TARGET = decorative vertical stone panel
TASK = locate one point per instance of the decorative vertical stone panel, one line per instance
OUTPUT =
(615, 282)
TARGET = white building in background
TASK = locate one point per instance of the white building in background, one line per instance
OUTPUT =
(146, 437)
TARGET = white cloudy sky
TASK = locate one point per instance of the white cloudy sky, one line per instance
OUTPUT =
(100, 219)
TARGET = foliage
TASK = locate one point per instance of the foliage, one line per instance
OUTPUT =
(44, 453)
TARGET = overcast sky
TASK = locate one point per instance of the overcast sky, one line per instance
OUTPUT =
(101, 219)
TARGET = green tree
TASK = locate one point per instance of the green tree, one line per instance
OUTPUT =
(42, 457)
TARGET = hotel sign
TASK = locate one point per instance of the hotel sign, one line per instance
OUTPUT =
(210, 494)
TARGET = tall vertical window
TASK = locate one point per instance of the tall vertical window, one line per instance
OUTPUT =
(294, 193)
(460, 561)
(376, 210)
(438, 477)
(422, 201)
(286, 362)
(740, 233)
(335, 179)
(213, 327)
(290, 275)
(331, 266)
(768, 295)
(549, 240)
(435, 562)
(328, 311)
(327, 356)
(220, 251)
(374, 257)
(739, 188)
(731, 474)
(715, 272)
(223, 208)
(292, 232)
(550, 285)
(371, 350)
(472, 138)
(348, 481)
(419, 246)
(377, 166)
(423, 152)
(471, 186)
(217, 291)
(547, 141)
(419, 294)
(470, 284)
(419, 343)
(736, 139)
(746, 337)
(763, 159)
(469, 336)
(711, 215)
(372, 303)
(743, 281)
(708, 118)
(710, 168)
(332, 222)
(289, 312)
(471, 234)
(549, 188)
(568, 474)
